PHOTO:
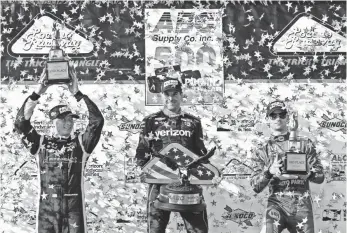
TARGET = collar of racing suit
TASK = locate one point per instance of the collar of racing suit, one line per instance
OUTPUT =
(280, 138)
(169, 113)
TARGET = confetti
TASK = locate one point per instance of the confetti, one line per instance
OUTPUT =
(114, 77)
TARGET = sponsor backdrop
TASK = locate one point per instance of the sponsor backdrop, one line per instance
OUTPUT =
(266, 40)
(106, 43)
(116, 202)
(191, 39)
(104, 40)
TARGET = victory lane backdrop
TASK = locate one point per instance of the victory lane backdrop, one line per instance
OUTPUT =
(250, 29)
(116, 206)
(114, 28)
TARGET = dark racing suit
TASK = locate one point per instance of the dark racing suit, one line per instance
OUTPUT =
(158, 132)
(61, 163)
(289, 204)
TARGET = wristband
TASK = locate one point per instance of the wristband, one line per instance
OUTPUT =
(311, 176)
(79, 95)
(34, 96)
(267, 174)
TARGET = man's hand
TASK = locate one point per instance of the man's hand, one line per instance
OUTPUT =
(171, 164)
(276, 166)
(310, 169)
(42, 83)
(275, 170)
(73, 86)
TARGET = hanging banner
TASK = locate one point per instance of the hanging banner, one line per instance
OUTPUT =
(190, 40)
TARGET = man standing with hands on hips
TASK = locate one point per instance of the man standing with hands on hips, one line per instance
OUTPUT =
(61, 159)
(289, 204)
(170, 125)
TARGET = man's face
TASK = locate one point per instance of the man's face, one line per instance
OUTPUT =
(278, 120)
(172, 99)
(64, 126)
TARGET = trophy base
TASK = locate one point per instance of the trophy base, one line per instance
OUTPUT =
(179, 208)
(294, 173)
(57, 81)
(180, 198)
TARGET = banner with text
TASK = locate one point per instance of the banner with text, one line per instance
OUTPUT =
(190, 41)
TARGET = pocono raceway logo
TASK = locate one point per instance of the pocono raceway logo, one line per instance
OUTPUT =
(239, 216)
(334, 124)
(308, 35)
(36, 38)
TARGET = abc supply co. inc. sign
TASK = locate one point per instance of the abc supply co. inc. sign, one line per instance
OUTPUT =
(192, 40)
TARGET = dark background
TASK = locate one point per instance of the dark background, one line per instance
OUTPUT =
(122, 68)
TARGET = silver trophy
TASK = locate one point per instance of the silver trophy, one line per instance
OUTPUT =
(295, 161)
(182, 196)
(57, 67)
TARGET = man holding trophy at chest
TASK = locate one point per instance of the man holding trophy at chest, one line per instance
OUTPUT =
(61, 157)
(286, 163)
(171, 126)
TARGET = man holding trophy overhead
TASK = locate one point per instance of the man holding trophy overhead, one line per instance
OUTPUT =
(286, 163)
(62, 157)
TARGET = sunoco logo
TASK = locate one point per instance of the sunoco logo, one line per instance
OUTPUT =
(308, 35)
(238, 215)
(35, 40)
(131, 126)
(334, 124)
(173, 132)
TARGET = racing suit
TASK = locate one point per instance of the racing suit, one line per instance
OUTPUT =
(61, 164)
(289, 204)
(159, 130)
